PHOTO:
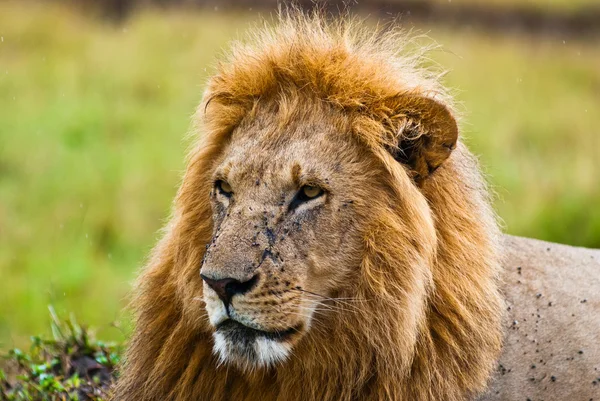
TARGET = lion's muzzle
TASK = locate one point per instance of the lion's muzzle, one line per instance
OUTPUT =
(255, 322)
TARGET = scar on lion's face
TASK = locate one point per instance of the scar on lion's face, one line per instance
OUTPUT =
(269, 264)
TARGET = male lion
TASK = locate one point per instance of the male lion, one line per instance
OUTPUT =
(332, 240)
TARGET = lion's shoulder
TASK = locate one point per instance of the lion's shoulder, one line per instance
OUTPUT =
(552, 327)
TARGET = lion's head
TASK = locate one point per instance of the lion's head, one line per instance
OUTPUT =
(294, 200)
(331, 238)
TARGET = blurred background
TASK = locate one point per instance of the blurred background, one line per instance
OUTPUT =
(96, 99)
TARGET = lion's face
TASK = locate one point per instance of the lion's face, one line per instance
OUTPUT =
(285, 236)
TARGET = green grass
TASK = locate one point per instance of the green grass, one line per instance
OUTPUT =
(531, 112)
(71, 366)
(93, 116)
(543, 5)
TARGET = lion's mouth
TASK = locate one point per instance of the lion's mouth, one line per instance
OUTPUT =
(248, 347)
(238, 332)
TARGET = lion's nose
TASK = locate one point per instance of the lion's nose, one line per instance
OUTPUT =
(226, 288)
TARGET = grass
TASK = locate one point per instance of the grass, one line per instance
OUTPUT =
(543, 5)
(530, 113)
(93, 116)
(71, 366)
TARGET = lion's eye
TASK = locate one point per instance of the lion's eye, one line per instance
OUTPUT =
(311, 192)
(224, 188)
(306, 194)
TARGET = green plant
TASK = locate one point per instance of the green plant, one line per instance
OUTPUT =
(71, 366)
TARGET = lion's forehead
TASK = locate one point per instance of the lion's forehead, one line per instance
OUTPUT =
(254, 157)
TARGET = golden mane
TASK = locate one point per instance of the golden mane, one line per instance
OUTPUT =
(431, 333)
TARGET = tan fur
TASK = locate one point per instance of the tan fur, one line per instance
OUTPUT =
(552, 326)
(402, 254)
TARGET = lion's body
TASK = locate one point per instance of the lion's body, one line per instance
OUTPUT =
(552, 326)
(402, 251)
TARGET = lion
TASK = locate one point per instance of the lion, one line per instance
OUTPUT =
(332, 239)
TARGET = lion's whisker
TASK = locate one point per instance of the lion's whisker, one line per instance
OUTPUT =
(337, 301)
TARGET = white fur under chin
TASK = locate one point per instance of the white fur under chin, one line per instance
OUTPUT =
(268, 352)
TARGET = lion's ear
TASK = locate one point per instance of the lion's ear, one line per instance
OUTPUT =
(426, 134)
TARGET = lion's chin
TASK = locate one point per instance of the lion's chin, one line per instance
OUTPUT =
(249, 348)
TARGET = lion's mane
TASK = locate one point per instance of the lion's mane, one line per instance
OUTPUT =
(430, 326)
